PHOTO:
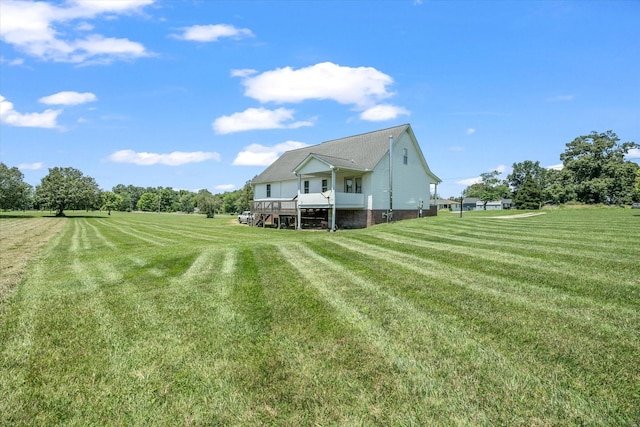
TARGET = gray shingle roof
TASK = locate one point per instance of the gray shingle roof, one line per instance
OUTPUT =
(359, 152)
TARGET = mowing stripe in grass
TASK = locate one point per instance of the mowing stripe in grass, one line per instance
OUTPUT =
(417, 338)
(324, 281)
(324, 373)
(188, 232)
(537, 245)
(569, 368)
(564, 234)
(20, 242)
(221, 324)
(548, 272)
(101, 237)
(17, 338)
(611, 318)
(136, 233)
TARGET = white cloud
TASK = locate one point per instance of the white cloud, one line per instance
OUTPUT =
(257, 118)
(383, 112)
(361, 86)
(84, 26)
(42, 30)
(469, 181)
(96, 45)
(224, 187)
(501, 168)
(634, 153)
(261, 155)
(30, 166)
(211, 33)
(8, 115)
(68, 98)
(471, 131)
(93, 7)
(176, 158)
(557, 167)
(560, 98)
(245, 72)
(12, 62)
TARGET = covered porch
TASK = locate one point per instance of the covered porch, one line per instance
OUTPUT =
(328, 183)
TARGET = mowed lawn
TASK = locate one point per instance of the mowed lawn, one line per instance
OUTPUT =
(163, 319)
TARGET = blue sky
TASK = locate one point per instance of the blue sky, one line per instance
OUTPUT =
(205, 94)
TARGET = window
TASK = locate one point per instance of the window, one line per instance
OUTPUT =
(348, 185)
(353, 185)
(268, 190)
(306, 187)
(325, 185)
(405, 156)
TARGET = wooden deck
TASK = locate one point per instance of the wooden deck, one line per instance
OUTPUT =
(278, 213)
(278, 207)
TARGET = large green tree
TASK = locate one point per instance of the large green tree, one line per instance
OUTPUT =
(169, 199)
(558, 187)
(14, 192)
(207, 203)
(148, 202)
(489, 188)
(598, 169)
(529, 195)
(186, 201)
(65, 188)
(110, 201)
(523, 170)
(229, 199)
(245, 197)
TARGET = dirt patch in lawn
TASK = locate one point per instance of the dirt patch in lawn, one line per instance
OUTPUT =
(20, 242)
(524, 215)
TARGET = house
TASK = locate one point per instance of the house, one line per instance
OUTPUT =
(475, 204)
(470, 203)
(494, 205)
(452, 205)
(351, 182)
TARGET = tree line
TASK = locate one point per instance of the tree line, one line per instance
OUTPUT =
(67, 188)
(594, 171)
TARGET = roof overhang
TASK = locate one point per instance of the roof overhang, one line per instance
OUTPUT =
(315, 164)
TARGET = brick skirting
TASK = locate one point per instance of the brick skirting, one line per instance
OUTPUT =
(366, 218)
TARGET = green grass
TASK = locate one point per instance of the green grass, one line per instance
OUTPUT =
(147, 319)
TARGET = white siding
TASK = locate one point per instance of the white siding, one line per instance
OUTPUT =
(313, 166)
(279, 190)
(411, 184)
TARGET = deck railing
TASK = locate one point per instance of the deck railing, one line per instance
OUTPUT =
(270, 207)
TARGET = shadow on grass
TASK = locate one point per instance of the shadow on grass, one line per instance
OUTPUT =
(72, 216)
(29, 215)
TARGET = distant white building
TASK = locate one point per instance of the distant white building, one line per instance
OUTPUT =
(496, 205)
(453, 205)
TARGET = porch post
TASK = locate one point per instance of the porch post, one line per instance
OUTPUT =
(299, 219)
(333, 205)
(435, 195)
